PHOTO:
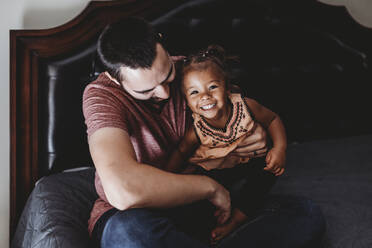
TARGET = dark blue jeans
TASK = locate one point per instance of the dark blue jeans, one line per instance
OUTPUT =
(278, 221)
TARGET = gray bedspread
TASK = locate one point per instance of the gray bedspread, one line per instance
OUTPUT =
(337, 175)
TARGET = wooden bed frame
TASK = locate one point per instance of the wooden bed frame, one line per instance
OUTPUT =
(27, 47)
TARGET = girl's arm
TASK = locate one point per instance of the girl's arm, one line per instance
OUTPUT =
(178, 159)
(276, 157)
(270, 121)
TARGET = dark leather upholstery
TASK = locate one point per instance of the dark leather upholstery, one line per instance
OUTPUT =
(293, 59)
(64, 141)
(57, 212)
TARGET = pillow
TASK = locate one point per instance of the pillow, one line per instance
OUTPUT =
(57, 211)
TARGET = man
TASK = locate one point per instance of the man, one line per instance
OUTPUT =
(135, 115)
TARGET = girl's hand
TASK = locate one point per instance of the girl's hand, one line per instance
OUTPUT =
(275, 161)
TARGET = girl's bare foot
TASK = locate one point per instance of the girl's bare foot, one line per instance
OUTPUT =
(237, 218)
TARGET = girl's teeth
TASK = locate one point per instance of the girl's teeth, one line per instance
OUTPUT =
(206, 107)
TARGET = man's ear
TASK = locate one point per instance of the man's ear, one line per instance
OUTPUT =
(112, 78)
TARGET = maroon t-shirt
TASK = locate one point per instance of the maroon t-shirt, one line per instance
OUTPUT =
(153, 129)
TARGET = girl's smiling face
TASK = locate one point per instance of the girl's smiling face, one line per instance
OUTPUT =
(206, 94)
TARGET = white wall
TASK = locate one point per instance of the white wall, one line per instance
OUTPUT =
(360, 10)
(22, 14)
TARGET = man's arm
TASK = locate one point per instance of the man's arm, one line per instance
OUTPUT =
(182, 153)
(129, 184)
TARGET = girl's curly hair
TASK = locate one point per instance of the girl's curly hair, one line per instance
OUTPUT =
(214, 54)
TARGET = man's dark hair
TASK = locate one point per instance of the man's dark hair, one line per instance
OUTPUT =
(130, 42)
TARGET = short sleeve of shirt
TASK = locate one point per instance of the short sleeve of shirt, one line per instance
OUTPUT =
(102, 107)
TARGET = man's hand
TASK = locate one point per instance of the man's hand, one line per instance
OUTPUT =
(221, 200)
(254, 145)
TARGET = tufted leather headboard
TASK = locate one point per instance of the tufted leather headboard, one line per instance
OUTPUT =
(311, 69)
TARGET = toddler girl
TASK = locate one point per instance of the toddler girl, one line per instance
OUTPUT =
(221, 120)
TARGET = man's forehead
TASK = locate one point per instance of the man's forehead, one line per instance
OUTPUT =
(139, 78)
(147, 79)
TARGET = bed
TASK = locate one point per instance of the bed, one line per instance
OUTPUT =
(308, 61)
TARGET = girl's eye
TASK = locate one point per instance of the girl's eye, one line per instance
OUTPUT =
(213, 87)
(193, 92)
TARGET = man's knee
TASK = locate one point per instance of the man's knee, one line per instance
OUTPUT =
(135, 228)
